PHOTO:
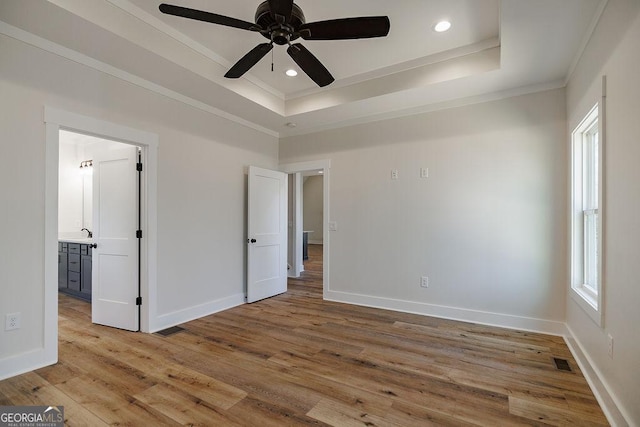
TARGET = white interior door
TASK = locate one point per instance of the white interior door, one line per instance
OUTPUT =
(115, 221)
(267, 234)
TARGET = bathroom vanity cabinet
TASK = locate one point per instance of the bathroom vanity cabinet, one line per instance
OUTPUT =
(74, 269)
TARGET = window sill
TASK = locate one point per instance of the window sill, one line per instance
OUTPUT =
(588, 304)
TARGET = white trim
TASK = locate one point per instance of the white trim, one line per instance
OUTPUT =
(26, 362)
(453, 313)
(296, 230)
(182, 316)
(58, 119)
(590, 303)
(50, 311)
(305, 166)
(98, 127)
(56, 49)
(325, 165)
(608, 401)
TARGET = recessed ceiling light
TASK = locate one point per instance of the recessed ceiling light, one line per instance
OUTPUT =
(291, 73)
(442, 26)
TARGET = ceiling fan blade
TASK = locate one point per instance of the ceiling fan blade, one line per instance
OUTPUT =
(213, 18)
(249, 60)
(346, 28)
(281, 10)
(310, 65)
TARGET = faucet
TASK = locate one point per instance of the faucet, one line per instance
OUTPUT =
(88, 231)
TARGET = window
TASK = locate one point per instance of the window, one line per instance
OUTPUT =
(586, 232)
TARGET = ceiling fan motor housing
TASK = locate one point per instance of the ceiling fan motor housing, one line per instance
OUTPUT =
(279, 33)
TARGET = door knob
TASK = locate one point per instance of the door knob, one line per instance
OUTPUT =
(251, 241)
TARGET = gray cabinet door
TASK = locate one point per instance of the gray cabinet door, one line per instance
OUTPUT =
(74, 281)
(74, 269)
(86, 274)
(62, 270)
(74, 263)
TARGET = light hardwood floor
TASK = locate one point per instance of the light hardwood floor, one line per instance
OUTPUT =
(298, 360)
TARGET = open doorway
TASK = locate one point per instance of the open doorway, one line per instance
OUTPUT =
(308, 237)
(57, 120)
(312, 224)
(99, 212)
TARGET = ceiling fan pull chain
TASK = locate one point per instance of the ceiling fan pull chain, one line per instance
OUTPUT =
(272, 61)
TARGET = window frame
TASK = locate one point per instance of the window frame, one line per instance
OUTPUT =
(587, 202)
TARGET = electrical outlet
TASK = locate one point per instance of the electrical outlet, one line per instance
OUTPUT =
(394, 173)
(12, 321)
(424, 281)
(610, 349)
(424, 172)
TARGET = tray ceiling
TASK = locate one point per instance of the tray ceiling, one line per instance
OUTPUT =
(494, 48)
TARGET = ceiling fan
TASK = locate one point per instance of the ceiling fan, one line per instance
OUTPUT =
(282, 21)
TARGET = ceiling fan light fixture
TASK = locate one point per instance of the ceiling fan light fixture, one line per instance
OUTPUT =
(442, 26)
(291, 72)
(282, 21)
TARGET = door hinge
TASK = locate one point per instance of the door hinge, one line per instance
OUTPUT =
(139, 301)
(138, 234)
(139, 167)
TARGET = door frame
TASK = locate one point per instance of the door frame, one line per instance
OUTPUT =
(294, 221)
(325, 166)
(56, 119)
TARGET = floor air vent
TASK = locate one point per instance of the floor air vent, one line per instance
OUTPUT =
(562, 364)
(170, 331)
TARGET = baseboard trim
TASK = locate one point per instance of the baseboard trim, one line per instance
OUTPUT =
(453, 313)
(610, 404)
(26, 362)
(181, 316)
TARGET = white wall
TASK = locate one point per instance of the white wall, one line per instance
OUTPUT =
(75, 189)
(201, 188)
(488, 226)
(70, 191)
(312, 208)
(613, 51)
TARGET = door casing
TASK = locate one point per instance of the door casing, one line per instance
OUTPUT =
(325, 166)
(56, 119)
